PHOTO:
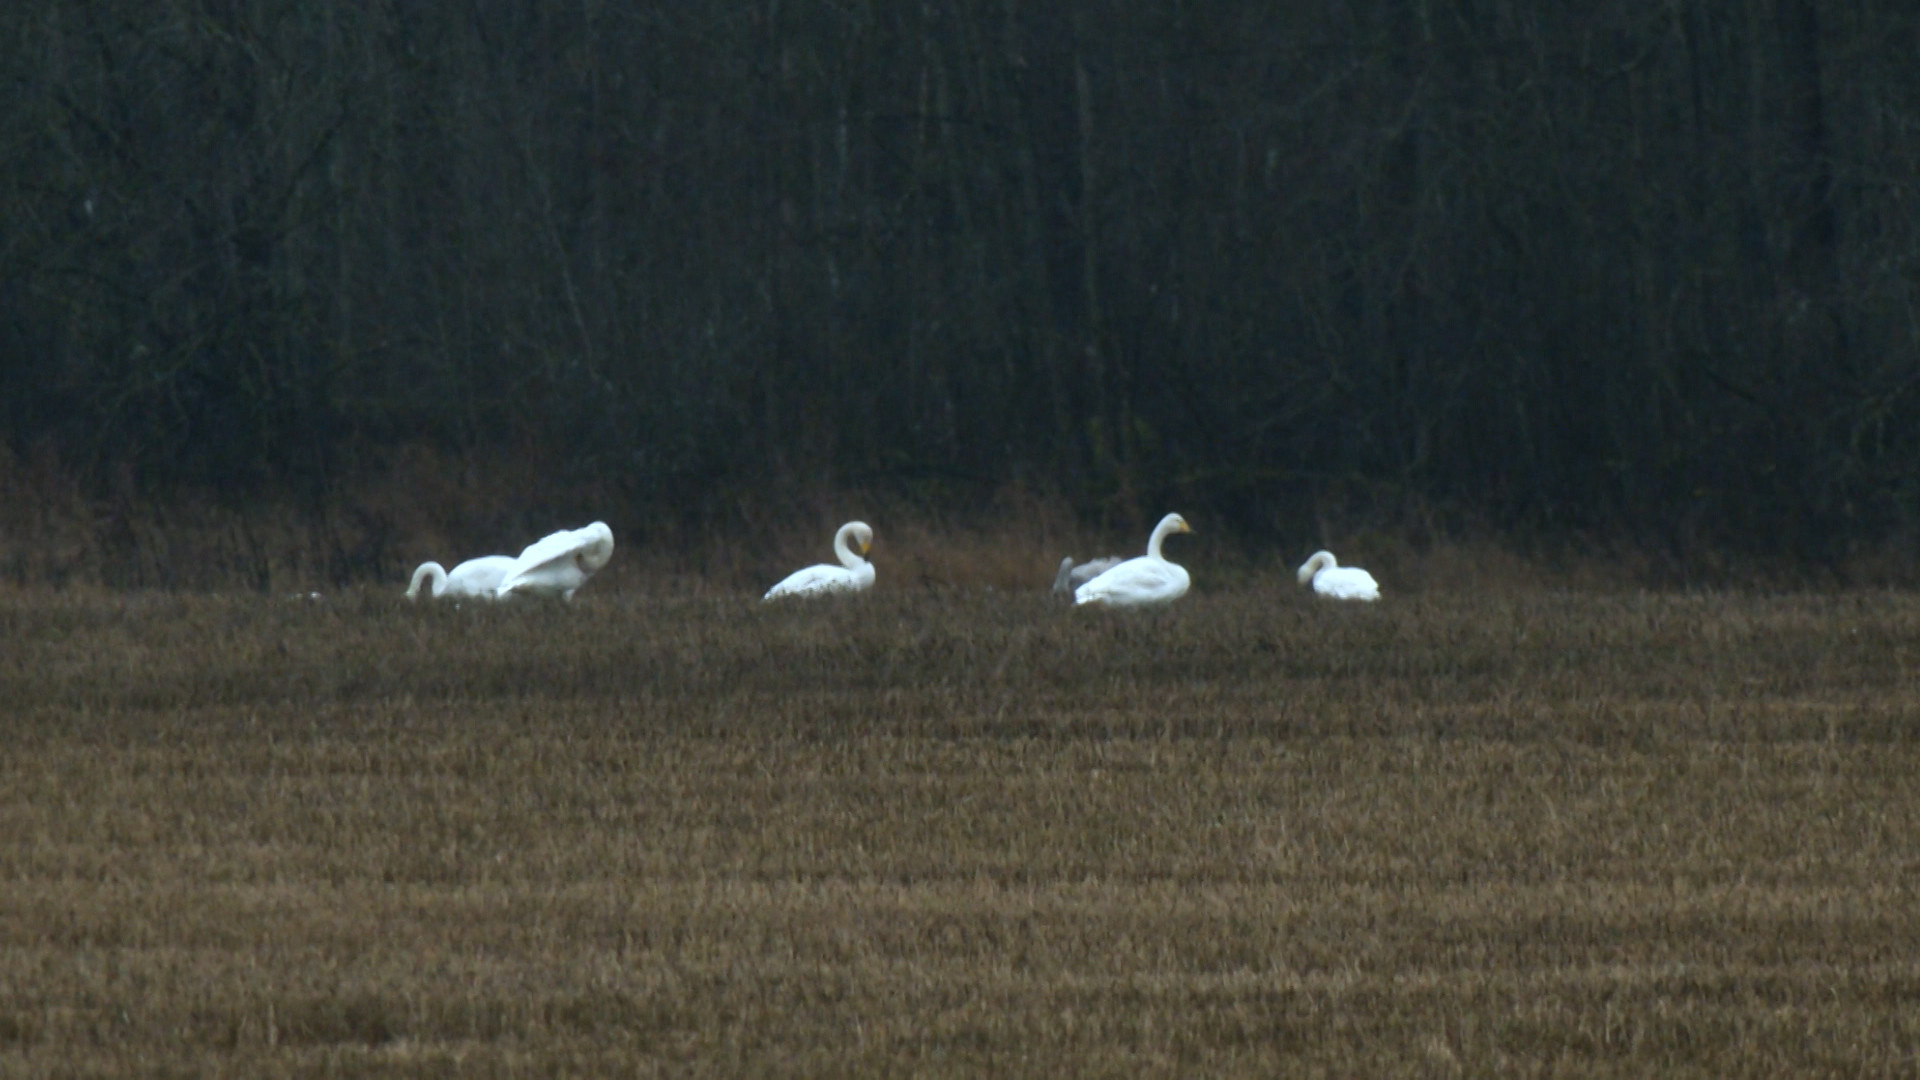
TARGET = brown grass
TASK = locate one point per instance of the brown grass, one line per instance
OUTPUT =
(943, 831)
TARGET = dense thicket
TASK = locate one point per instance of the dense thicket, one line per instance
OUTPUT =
(1650, 266)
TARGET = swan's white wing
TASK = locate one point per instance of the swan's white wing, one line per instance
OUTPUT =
(1346, 583)
(1135, 583)
(823, 579)
(479, 577)
(557, 565)
(560, 545)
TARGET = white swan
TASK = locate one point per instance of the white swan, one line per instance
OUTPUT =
(1147, 581)
(1073, 576)
(852, 575)
(558, 565)
(1337, 582)
(475, 577)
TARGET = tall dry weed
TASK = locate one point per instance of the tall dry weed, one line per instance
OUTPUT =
(419, 504)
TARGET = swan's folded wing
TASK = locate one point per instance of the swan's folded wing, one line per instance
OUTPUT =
(1347, 583)
(481, 576)
(1134, 581)
(814, 579)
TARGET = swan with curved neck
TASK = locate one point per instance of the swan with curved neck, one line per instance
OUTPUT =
(557, 565)
(1336, 582)
(475, 577)
(1073, 575)
(1148, 581)
(854, 574)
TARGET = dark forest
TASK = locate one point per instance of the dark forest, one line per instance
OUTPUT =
(1647, 272)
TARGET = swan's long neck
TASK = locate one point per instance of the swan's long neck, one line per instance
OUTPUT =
(1321, 560)
(1065, 578)
(1160, 532)
(433, 572)
(847, 558)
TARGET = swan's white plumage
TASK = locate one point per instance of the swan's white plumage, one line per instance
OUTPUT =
(1072, 575)
(1147, 581)
(559, 564)
(854, 573)
(475, 577)
(1336, 582)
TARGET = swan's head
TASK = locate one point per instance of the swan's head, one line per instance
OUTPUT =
(1063, 581)
(858, 536)
(1321, 560)
(1172, 523)
(598, 548)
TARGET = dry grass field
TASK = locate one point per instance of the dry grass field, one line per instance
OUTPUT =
(960, 833)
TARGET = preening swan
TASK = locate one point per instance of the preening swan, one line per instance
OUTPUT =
(852, 575)
(1337, 582)
(1143, 582)
(475, 577)
(1071, 577)
(558, 565)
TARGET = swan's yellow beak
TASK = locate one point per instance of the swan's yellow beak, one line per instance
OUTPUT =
(865, 545)
(1184, 527)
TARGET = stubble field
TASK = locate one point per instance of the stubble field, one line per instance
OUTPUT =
(1528, 833)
